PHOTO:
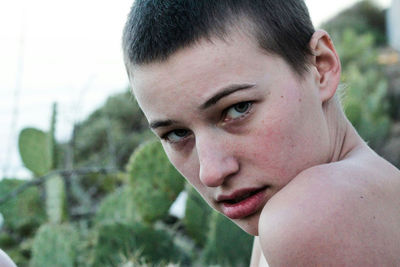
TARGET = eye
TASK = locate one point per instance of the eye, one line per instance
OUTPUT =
(237, 111)
(175, 136)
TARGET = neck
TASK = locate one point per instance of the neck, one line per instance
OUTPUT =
(344, 139)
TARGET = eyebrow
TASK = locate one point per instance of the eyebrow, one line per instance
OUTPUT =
(210, 102)
(224, 93)
(161, 123)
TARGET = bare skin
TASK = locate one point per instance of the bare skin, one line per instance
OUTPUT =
(349, 218)
(5, 261)
(234, 120)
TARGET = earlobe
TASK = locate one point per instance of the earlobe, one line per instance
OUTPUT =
(327, 64)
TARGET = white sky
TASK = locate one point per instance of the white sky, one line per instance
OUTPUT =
(71, 54)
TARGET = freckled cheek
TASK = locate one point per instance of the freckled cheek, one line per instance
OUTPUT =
(273, 148)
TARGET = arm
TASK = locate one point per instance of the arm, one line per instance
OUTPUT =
(5, 261)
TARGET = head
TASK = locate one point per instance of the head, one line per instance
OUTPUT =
(156, 29)
(236, 91)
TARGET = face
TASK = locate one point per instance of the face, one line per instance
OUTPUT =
(237, 123)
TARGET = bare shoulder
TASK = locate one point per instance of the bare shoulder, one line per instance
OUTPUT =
(5, 261)
(344, 214)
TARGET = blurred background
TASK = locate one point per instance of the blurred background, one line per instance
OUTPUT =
(82, 181)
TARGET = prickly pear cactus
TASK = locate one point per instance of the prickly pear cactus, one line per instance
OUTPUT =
(155, 183)
(35, 150)
(197, 217)
(118, 207)
(52, 136)
(225, 239)
(55, 199)
(24, 213)
(116, 242)
(55, 245)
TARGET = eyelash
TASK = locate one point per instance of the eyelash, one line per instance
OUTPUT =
(249, 105)
(224, 114)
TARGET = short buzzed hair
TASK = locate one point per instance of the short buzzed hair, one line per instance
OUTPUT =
(156, 29)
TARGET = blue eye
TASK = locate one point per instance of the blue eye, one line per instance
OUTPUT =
(175, 135)
(238, 110)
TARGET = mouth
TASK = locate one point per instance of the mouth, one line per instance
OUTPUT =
(243, 203)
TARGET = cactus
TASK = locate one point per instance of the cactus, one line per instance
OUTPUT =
(117, 207)
(35, 150)
(55, 187)
(55, 199)
(197, 217)
(154, 181)
(24, 213)
(39, 153)
(52, 136)
(117, 242)
(55, 245)
(227, 244)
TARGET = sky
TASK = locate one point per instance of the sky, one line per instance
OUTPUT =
(68, 52)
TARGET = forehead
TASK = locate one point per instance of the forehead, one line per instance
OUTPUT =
(197, 72)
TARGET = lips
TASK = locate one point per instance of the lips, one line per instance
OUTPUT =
(242, 203)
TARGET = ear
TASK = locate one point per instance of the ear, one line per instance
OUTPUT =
(327, 63)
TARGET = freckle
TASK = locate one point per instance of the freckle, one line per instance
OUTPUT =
(361, 197)
(281, 96)
(374, 217)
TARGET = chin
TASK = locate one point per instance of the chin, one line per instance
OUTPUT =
(249, 224)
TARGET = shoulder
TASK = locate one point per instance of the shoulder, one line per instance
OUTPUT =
(5, 261)
(320, 218)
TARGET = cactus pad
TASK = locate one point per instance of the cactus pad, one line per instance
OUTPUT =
(117, 207)
(116, 242)
(55, 199)
(35, 150)
(55, 245)
(155, 183)
(225, 240)
(24, 213)
(197, 217)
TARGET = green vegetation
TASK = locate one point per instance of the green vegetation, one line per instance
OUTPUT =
(55, 199)
(365, 17)
(35, 151)
(110, 134)
(22, 216)
(55, 245)
(118, 207)
(155, 183)
(116, 242)
(224, 241)
(197, 217)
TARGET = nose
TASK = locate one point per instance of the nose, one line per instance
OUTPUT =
(217, 162)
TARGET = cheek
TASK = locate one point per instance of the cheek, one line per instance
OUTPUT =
(277, 149)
